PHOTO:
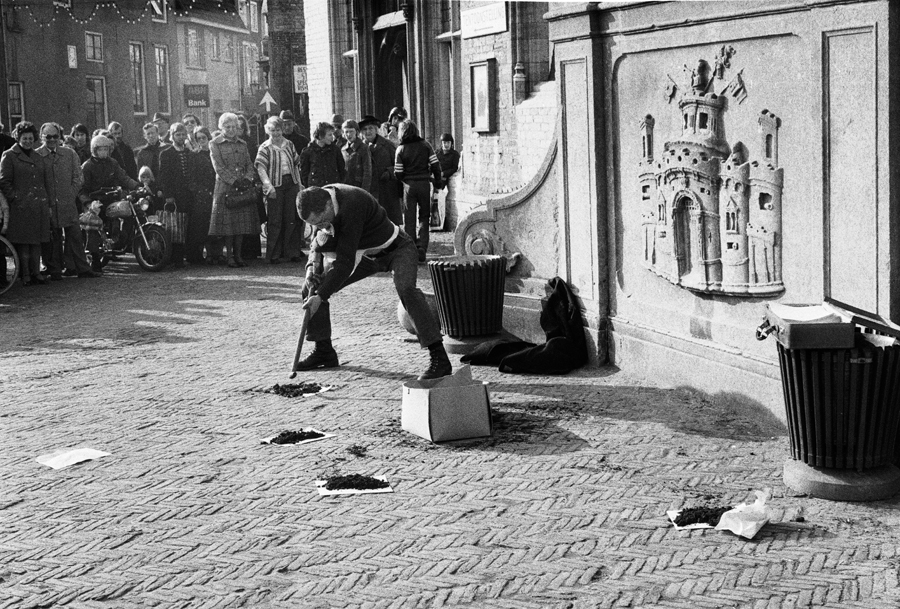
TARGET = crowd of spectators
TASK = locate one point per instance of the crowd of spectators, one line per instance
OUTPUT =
(48, 179)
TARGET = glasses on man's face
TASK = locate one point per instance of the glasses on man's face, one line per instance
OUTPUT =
(51, 137)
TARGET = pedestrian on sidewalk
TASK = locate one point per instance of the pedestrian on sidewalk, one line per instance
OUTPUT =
(357, 159)
(383, 151)
(276, 164)
(233, 166)
(174, 180)
(416, 165)
(25, 183)
(66, 246)
(321, 162)
(353, 230)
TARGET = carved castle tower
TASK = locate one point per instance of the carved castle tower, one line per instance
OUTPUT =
(710, 219)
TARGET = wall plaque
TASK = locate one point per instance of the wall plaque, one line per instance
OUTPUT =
(711, 217)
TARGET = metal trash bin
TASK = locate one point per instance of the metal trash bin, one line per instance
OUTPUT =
(841, 382)
(469, 293)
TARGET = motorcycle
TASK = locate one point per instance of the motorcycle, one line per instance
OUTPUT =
(151, 245)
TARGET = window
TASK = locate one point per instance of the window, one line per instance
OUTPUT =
(251, 67)
(194, 48)
(162, 79)
(244, 12)
(16, 96)
(63, 3)
(731, 221)
(769, 145)
(227, 48)
(215, 47)
(765, 201)
(645, 193)
(704, 120)
(158, 10)
(93, 46)
(254, 17)
(139, 83)
(96, 102)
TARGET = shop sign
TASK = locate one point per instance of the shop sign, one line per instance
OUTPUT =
(196, 96)
(484, 20)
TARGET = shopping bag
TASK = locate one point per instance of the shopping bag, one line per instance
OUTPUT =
(174, 222)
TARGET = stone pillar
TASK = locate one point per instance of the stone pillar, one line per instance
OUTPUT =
(583, 213)
(287, 36)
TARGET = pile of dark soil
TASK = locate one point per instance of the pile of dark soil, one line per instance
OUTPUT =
(357, 482)
(357, 450)
(293, 390)
(700, 515)
(292, 437)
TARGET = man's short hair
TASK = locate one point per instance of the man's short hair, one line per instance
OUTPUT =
(148, 126)
(322, 130)
(188, 115)
(56, 126)
(312, 201)
(176, 127)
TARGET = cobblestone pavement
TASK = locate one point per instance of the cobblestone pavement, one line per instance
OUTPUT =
(563, 507)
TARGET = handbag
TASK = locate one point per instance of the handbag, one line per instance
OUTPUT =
(174, 222)
(90, 221)
(236, 197)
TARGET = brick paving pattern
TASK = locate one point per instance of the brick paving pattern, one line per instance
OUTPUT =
(563, 508)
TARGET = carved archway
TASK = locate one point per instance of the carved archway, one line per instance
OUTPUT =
(686, 236)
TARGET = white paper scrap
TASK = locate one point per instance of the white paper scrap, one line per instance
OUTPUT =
(66, 457)
(320, 486)
(306, 429)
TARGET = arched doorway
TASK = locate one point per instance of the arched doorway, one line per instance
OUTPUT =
(686, 243)
(391, 84)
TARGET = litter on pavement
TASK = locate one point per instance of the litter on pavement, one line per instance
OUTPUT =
(321, 484)
(302, 436)
(67, 457)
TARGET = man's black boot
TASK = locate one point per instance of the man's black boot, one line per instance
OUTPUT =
(323, 356)
(440, 363)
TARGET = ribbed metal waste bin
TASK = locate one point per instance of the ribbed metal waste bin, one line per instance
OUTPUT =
(843, 404)
(469, 294)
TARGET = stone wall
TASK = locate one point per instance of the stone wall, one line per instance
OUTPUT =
(319, 62)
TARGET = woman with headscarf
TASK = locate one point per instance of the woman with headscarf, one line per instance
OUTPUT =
(233, 167)
(276, 163)
(24, 182)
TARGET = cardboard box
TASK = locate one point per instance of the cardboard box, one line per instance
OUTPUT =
(450, 408)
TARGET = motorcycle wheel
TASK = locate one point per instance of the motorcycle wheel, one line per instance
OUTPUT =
(156, 257)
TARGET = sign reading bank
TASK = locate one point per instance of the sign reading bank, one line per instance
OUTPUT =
(196, 96)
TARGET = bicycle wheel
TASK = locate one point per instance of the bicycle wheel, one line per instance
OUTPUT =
(9, 265)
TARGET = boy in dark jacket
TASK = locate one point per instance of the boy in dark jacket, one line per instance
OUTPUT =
(321, 162)
(416, 165)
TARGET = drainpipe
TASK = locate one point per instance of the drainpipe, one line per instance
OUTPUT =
(520, 88)
(4, 82)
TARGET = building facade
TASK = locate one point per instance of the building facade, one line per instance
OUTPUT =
(95, 62)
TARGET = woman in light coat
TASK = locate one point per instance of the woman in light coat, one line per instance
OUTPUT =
(233, 165)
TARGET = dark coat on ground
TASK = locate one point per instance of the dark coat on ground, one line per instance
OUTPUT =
(25, 182)
(321, 165)
(564, 351)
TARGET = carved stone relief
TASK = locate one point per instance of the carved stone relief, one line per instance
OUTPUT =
(711, 218)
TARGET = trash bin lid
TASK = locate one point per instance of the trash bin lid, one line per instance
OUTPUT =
(809, 326)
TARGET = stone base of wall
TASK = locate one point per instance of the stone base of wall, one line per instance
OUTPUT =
(674, 361)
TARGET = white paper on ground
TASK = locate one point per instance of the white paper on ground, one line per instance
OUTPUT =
(66, 457)
(673, 514)
(320, 486)
(746, 520)
(307, 429)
